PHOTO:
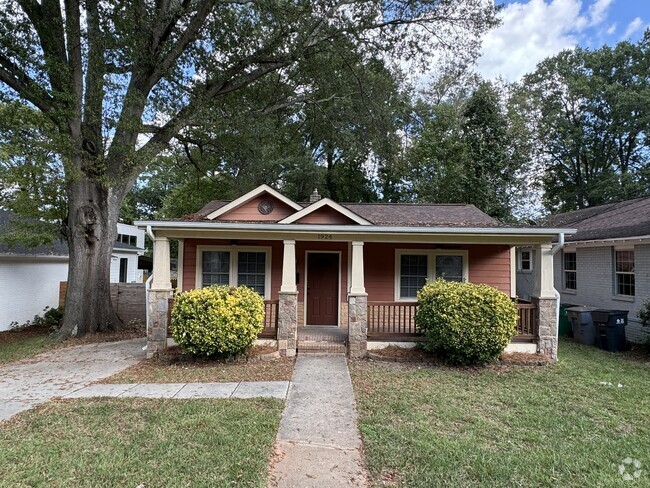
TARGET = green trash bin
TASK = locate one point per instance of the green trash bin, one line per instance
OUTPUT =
(565, 322)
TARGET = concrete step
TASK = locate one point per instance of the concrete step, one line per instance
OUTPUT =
(321, 347)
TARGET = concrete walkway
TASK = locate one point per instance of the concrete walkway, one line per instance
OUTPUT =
(57, 373)
(318, 444)
(243, 389)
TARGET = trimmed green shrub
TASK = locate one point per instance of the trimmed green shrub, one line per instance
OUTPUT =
(465, 323)
(217, 320)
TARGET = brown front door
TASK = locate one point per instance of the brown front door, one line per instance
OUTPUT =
(322, 288)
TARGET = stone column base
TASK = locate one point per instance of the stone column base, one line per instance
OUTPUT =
(287, 323)
(547, 326)
(357, 326)
(158, 308)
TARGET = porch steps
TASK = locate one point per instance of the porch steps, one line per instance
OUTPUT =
(320, 347)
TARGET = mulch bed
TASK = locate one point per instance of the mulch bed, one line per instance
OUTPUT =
(416, 354)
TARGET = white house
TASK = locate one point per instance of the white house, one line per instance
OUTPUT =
(29, 278)
(605, 265)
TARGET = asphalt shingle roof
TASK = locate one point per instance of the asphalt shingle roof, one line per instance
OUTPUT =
(397, 214)
(57, 248)
(629, 218)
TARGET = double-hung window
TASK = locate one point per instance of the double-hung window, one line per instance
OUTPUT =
(624, 270)
(234, 267)
(414, 267)
(570, 269)
(525, 260)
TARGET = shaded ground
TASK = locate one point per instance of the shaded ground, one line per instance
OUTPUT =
(569, 424)
(173, 367)
(138, 442)
(19, 344)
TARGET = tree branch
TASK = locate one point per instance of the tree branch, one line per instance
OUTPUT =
(14, 77)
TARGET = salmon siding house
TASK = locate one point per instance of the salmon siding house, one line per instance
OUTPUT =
(351, 269)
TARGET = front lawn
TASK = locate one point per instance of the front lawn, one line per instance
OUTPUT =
(506, 426)
(22, 343)
(140, 442)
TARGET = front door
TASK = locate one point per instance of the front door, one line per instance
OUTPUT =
(322, 288)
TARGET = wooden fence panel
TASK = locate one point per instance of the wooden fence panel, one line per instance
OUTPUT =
(128, 300)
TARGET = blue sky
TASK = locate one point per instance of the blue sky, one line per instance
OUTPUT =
(532, 30)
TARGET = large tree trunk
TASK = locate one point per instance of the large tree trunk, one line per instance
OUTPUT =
(92, 230)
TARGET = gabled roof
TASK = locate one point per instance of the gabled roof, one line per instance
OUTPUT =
(221, 210)
(325, 202)
(629, 218)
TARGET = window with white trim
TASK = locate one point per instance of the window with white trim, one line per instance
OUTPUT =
(525, 260)
(570, 270)
(414, 267)
(235, 267)
(624, 271)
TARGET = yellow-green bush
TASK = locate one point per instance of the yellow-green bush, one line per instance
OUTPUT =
(465, 323)
(217, 320)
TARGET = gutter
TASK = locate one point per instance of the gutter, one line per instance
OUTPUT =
(559, 245)
(355, 229)
(554, 250)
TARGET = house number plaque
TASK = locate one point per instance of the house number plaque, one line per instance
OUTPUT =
(326, 237)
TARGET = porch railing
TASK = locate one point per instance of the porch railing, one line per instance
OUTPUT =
(527, 323)
(270, 330)
(391, 320)
(396, 320)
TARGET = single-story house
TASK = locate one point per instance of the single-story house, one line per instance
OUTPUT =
(606, 264)
(353, 268)
(30, 277)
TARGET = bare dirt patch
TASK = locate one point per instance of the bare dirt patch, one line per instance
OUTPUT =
(15, 335)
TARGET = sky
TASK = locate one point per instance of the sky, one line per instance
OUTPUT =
(532, 30)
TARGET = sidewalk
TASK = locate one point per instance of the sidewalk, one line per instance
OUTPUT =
(318, 444)
(244, 389)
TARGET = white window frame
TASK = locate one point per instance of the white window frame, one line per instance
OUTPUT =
(431, 265)
(520, 261)
(234, 251)
(616, 273)
(564, 272)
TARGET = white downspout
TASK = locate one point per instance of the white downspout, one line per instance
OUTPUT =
(147, 286)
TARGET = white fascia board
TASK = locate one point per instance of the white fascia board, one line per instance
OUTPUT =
(608, 242)
(348, 229)
(320, 204)
(249, 196)
(33, 257)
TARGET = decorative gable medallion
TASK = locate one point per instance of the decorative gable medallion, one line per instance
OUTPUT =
(265, 207)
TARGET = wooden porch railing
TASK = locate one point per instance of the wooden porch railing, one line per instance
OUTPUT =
(391, 320)
(527, 323)
(270, 330)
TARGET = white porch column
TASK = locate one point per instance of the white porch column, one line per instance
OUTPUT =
(159, 295)
(544, 265)
(546, 299)
(289, 268)
(357, 283)
(161, 274)
(357, 305)
(288, 302)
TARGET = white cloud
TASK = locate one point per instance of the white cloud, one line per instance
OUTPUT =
(535, 30)
(633, 27)
(611, 29)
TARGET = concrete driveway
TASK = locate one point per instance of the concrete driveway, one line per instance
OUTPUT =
(57, 373)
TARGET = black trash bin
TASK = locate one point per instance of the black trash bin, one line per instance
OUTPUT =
(611, 329)
(582, 325)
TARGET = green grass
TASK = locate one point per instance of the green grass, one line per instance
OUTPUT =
(25, 347)
(510, 427)
(131, 442)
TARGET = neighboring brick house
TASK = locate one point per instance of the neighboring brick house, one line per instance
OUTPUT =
(606, 264)
(352, 268)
